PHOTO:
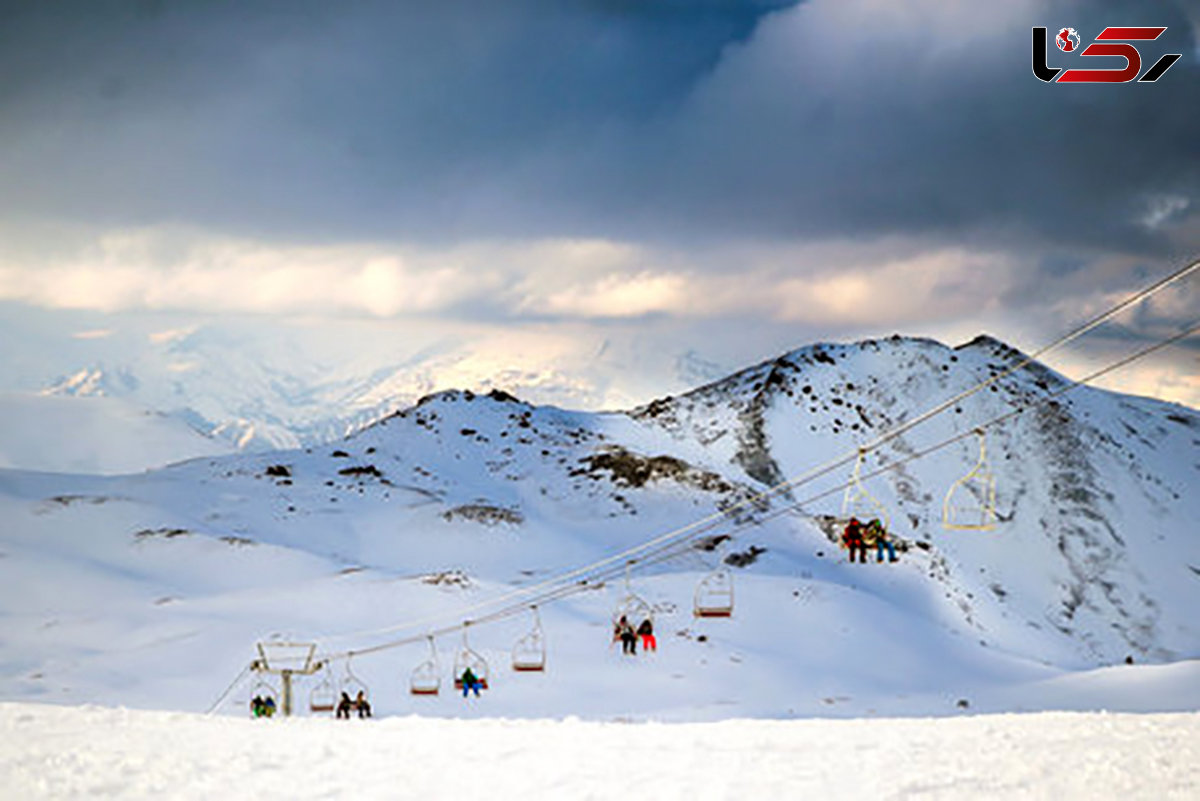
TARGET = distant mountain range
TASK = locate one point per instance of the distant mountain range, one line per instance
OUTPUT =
(261, 393)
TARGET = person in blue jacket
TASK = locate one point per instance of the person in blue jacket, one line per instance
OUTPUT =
(470, 682)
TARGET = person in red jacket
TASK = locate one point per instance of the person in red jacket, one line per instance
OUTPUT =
(852, 537)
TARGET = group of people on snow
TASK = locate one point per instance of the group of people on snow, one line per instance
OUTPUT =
(857, 538)
(624, 631)
(359, 704)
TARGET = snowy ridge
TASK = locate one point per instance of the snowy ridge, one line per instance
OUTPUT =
(287, 387)
(463, 497)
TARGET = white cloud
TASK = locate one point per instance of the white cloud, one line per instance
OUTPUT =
(169, 270)
(170, 335)
(617, 296)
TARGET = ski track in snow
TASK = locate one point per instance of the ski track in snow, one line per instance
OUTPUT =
(94, 752)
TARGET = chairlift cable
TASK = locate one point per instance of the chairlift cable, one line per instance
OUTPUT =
(232, 685)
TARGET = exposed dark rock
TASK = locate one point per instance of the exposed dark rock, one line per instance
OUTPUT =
(361, 470)
(745, 558)
(484, 513)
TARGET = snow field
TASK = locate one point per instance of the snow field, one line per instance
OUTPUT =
(95, 752)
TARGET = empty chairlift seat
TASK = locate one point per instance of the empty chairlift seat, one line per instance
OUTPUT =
(529, 652)
(714, 595)
(970, 503)
(426, 677)
(322, 698)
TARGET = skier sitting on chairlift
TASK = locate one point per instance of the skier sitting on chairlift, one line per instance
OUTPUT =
(646, 632)
(344, 706)
(362, 705)
(624, 632)
(878, 534)
(470, 682)
(852, 538)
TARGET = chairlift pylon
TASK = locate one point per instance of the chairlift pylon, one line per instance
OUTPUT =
(529, 652)
(858, 503)
(426, 678)
(465, 658)
(970, 503)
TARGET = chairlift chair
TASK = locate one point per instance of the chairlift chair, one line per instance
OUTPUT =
(714, 595)
(352, 685)
(970, 503)
(632, 607)
(468, 658)
(529, 652)
(323, 696)
(426, 678)
(266, 691)
(858, 503)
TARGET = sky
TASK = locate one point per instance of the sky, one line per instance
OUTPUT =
(737, 177)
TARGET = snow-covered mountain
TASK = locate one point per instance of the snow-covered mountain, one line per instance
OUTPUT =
(297, 386)
(151, 589)
(94, 435)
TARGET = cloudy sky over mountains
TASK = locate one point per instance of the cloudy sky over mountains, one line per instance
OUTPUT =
(743, 176)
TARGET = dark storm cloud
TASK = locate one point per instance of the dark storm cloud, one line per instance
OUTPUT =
(358, 118)
(664, 121)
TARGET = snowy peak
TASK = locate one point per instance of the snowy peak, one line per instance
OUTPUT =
(94, 382)
(1071, 472)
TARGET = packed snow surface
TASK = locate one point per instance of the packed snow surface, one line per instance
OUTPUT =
(93, 752)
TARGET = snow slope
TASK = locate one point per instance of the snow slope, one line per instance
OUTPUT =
(47, 752)
(93, 435)
(151, 590)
